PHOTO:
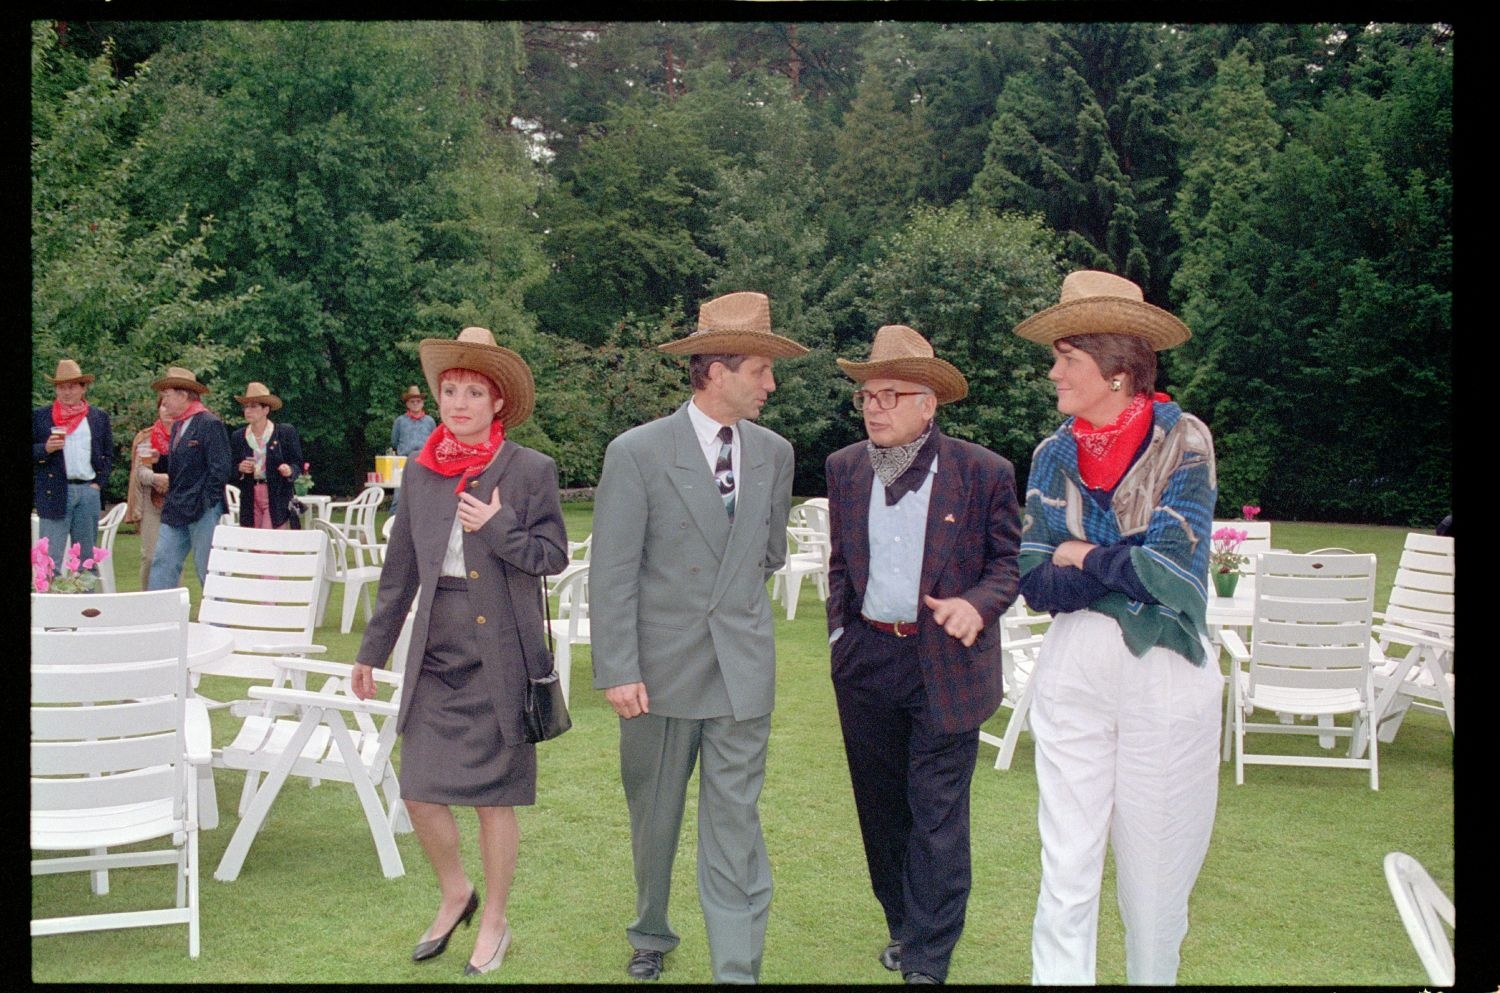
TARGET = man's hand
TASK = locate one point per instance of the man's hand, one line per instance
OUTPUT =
(957, 616)
(362, 681)
(628, 700)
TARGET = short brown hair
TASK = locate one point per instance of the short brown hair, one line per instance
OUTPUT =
(1119, 353)
(698, 366)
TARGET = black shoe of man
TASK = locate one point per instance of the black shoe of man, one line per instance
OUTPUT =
(920, 977)
(890, 957)
(645, 964)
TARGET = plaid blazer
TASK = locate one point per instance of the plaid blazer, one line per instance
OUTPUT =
(973, 534)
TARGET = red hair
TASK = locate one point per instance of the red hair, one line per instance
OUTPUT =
(470, 376)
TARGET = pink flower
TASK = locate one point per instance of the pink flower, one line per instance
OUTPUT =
(71, 557)
(88, 563)
(100, 554)
(40, 583)
(1251, 511)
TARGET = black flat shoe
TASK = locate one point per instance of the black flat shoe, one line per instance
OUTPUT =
(890, 956)
(644, 964)
(919, 978)
(433, 948)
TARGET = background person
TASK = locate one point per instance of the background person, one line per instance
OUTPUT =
(148, 488)
(73, 451)
(409, 431)
(196, 465)
(689, 524)
(1127, 688)
(923, 563)
(482, 525)
(267, 458)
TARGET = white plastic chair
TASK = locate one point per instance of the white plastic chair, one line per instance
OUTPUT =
(811, 513)
(231, 515)
(807, 555)
(1413, 643)
(576, 562)
(571, 625)
(1309, 656)
(359, 515)
(113, 737)
(316, 743)
(1020, 648)
(109, 527)
(356, 565)
(1424, 909)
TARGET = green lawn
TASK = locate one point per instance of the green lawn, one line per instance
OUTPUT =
(1292, 891)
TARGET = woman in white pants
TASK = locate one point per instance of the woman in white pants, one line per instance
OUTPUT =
(1115, 544)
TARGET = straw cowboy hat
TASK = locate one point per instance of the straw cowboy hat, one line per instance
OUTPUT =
(181, 379)
(735, 324)
(899, 352)
(68, 372)
(475, 349)
(412, 393)
(1095, 302)
(257, 393)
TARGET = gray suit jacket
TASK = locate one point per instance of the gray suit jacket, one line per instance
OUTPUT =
(677, 597)
(522, 542)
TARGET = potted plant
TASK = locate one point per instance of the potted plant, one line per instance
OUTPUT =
(303, 484)
(1225, 560)
(72, 577)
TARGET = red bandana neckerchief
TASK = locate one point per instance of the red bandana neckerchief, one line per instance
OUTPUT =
(195, 406)
(417, 416)
(1105, 452)
(69, 417)
(161, 436)
(447, 456)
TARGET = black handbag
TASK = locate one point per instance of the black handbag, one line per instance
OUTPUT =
(545, 714)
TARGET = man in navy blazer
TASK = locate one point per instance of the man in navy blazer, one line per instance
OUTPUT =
(197, 467)
(72, 452)
(925, 533)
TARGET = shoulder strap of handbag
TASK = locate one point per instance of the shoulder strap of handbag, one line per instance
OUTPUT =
(541, 588)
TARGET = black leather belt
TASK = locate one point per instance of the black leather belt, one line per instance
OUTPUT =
(901, 629)
(80, 482)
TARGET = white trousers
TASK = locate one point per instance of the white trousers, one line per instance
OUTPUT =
(1126, 752)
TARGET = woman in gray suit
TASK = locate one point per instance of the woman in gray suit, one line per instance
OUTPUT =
(478, 524)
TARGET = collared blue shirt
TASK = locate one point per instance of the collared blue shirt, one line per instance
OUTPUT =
(78, 452)
(898, 536)
(408, 436)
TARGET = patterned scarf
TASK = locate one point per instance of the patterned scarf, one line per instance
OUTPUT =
(447, 456)
(258, 448)
(69, 416)
(417, 416)
(902, 468)
(1105, 452)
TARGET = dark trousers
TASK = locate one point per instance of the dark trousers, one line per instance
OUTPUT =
(911, 791)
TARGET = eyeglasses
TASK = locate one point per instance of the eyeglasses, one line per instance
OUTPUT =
(884, 399)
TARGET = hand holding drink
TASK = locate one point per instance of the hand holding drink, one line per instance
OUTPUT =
(56, 439)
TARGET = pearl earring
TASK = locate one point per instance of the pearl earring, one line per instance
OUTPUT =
(1114, 385)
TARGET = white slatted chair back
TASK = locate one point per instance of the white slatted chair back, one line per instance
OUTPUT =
(1022, 634)
(1310, 654)
(1424, 910)
(1422, 594)
(570, 626)
(264, 585)
(109, 528)
(112, 738)
(811, 514)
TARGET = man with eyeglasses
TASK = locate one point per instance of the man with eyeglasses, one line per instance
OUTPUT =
(925, 532)
(689, 524)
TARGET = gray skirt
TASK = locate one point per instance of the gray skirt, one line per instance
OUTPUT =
(451, 752)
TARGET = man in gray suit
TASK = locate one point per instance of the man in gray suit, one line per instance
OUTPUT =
(689, 523)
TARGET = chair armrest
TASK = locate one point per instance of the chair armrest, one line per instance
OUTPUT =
(197, 733)
(282, 649)
(1411, 636)
(1237, 650)
(338, 669)
(330, 701)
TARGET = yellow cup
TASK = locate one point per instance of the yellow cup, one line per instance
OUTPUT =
(383, 467)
